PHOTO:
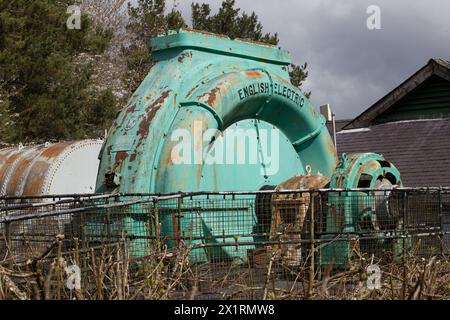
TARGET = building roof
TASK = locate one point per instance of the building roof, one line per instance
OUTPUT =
(420, 149)
(340, 124)
(435, 67)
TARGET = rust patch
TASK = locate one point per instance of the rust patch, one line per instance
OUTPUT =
(159, 101)
(120, 156)
(301, 182)
(5, 153)
(32, 164)
(151, 111)
(169, 159)
(133, 157)
(145, 123)
(129, 110)
(183, 56)
(254, 74)
(18, 175)
(34, 181)
(210, 97)
(54, 151)
(192, 90)
(7, 163)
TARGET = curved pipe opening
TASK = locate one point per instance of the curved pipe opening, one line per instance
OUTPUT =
(257, 94)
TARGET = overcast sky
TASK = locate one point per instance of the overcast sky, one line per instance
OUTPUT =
(350, 66)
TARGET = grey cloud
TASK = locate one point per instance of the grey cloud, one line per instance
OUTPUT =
(350, 66)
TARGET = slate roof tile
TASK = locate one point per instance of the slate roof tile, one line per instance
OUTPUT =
(420, 149)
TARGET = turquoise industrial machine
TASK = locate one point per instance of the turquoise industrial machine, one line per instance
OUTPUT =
(203, 91)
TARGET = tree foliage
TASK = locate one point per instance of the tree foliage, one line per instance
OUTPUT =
(57, 83)
(298, 75)
(45, 95)
(5, 118)
(230, 22)
(149, 18)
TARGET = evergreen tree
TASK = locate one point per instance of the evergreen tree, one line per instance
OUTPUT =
(298, 75)
(146, 20)
(149, 18)
(45, 94)
(230, 22)
(52, 85)
(5, 119)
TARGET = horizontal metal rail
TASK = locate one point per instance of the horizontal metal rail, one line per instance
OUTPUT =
(75, 199)
(221, 193)
(21, 217)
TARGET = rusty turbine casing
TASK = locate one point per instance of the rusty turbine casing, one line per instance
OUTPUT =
(59, 168)
(33, 171)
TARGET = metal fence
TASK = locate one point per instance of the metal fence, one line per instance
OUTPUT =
(266, 244)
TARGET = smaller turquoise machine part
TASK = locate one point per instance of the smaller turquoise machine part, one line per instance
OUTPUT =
(351, 214)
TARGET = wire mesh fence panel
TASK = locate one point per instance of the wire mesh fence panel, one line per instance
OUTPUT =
(253, 245)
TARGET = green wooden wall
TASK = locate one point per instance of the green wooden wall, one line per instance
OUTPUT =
(430, 100)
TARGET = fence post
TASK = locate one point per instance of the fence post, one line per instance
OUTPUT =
(441, 223)
(405, 206)
(179, 236)
(311, 237)
(108, 226)
(58, 270)
(83, 230)
(83, 237)
(8, 243)
(157, 226)
(320, 228)
(77, 252)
